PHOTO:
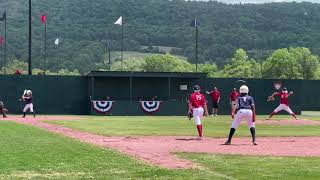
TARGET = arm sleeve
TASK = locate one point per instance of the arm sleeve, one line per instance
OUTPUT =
(237, 104)
(252, 102)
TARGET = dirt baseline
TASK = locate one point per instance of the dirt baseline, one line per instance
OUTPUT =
(159, 150)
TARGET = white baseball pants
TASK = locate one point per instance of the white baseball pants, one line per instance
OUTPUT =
(28, 106)
(283, 107)
(243, 114)
(197, 114)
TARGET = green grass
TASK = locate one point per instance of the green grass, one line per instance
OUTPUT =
(30, 153)
(177, 126)
(253, 167)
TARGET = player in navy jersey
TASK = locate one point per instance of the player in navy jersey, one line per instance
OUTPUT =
(245, 111)
(3, 110)
(27, 98)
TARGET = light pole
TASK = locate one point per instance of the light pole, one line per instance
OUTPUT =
(108, 44)
(30, 40)
(109, 54)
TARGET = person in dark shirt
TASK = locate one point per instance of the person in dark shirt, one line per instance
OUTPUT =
(215, 97)
(245, 111)
(27, 98)
(3, 109)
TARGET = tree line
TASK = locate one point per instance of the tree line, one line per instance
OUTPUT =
(83, 28)
(285, 63)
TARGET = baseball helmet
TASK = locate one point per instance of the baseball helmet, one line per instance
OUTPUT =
(29, 92)
(196, 88)
(284, 89)
(244, 89)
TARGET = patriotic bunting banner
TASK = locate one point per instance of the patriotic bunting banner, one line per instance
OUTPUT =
(150, 106)
(102, 106)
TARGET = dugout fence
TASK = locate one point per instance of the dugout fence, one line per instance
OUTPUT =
(73, 94)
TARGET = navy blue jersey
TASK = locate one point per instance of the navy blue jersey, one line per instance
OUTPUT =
(28, 100)
(245, 102)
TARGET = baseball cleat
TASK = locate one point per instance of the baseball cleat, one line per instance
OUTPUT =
(254, 143)
(199, 138)
(227, 143)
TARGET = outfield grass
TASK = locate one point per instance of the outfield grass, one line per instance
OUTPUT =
(253, 167)
(30, 153)
(178, 126)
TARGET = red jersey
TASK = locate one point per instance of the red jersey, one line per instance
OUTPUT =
(215, 96)
(197, 100)
(234, 95)
(283, 98)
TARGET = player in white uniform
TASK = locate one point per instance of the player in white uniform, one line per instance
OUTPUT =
(27, 97)
(245, 111)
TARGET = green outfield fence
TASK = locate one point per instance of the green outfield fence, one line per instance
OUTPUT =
(73, 94)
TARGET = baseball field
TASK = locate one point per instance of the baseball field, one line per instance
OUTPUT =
(153, 147)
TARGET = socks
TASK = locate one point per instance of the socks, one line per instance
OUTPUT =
(232, 130)
(253, 134)
(273, 113)
(199, 127)
(24, 114)
(3, 114)
(294, 115)
(34, 115)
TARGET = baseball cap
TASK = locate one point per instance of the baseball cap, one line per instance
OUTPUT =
(196, 87)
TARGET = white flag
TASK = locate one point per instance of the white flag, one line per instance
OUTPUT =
(119, 21)
(56, 42)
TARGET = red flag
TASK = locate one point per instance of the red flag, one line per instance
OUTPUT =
(43, 19)
(1, 40)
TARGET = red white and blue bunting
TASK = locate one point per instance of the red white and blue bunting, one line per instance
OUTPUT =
(102, 106)
(150, 106)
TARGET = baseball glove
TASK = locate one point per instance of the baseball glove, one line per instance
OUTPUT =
(190, 115)
(270, 98)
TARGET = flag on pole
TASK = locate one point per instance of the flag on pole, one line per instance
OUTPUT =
(56, 42)
(43, 19)
(119, 21)
(4, 17)
(195, 23)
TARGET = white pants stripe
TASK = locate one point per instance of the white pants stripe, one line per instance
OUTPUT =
(28, 106)
(243, 114)
(197, 114)
(283, 107)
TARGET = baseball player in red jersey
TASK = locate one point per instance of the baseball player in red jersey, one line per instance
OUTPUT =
(198, 106)
(215, 97)
(284, 102)
(233, 98)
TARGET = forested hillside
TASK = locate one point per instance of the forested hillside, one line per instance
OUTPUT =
(83, 27)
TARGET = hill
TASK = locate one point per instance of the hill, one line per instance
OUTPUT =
(83, 27)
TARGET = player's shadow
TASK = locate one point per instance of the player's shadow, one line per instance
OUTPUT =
(187, 139)
(236, 145)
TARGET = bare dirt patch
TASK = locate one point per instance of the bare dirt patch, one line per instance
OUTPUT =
(159, 150)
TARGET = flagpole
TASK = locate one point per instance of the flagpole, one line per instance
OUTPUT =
(196, 45)
(5, 43)
(122, 45)
(45, 47)
(30, 40)
(1, 56)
